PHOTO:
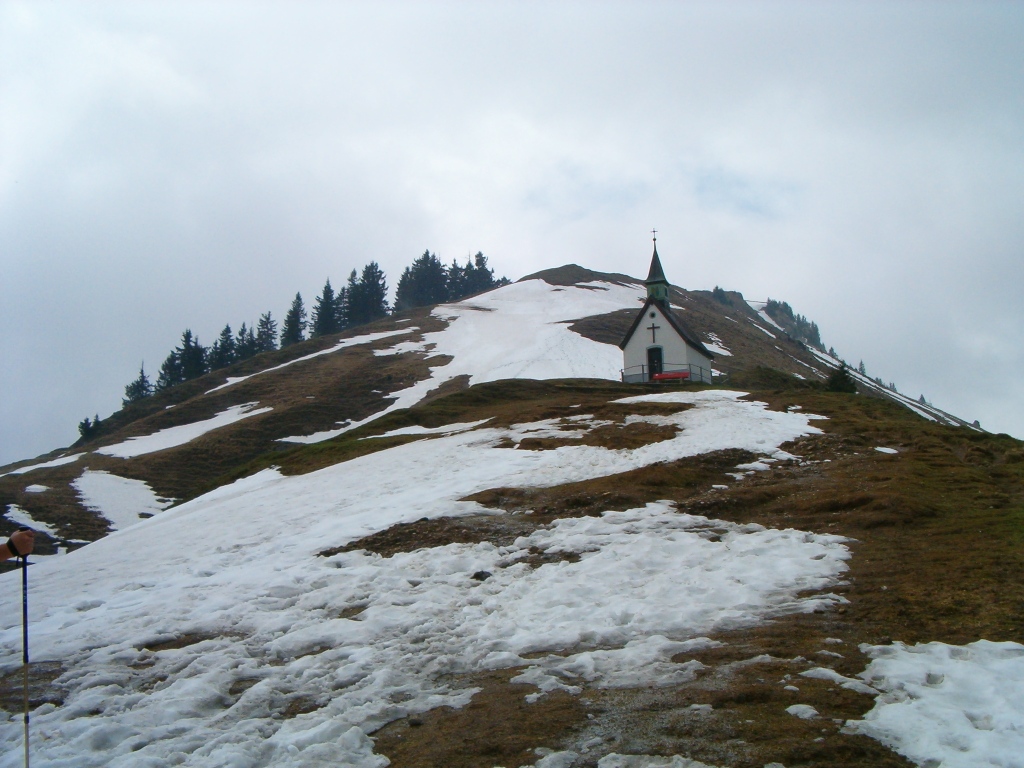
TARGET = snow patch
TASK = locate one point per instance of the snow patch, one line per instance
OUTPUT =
(175, 436)
(123, 502)
(36, 488)
(447, 429)
(18, 515)
(716, 345)
(352, 342)
(803, 711)
(58, 462)
(882, 449)
(955, 706)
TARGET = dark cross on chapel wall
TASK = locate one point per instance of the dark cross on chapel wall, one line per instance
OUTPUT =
(652, 328)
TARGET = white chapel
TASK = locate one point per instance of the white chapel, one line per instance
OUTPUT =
(658, 345)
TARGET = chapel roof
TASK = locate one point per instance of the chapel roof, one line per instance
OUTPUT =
(656, 273)
(677, 325)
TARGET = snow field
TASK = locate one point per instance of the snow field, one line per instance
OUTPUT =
(947, 705)
(184, 433)
(237, 570)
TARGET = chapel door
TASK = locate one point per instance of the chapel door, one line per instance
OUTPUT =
(655, 363)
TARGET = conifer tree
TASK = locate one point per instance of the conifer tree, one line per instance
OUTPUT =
(353, 300)
(170, 372)
(245, 343)
(341, 308)
(294, 329)
(325, 313)
(367, 295)
(375, 291)
(456, 280)
(222, 351)
(422, 284)
(861, 369)
(139, 389)
(192, 356)
(266, 333)
(841, 381)
(479, 277)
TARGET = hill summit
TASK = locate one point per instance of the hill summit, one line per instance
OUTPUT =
(454, 537)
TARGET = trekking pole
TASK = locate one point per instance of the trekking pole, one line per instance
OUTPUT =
(25, 648)
(24, 644)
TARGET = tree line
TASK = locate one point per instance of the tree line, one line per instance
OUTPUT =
(361, 300)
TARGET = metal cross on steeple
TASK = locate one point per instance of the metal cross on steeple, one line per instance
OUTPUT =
(655, 233)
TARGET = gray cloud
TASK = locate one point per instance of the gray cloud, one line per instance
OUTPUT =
(166, 166)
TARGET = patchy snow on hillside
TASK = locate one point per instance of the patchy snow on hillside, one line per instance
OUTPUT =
(716, 345)
(58, 462)
(18, 515)
(184, 433)
(120, 500)
(235, 573)
(759, 307)
(948, 705)
(344, 343)
(518, 331)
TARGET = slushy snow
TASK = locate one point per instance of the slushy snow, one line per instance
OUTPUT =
(236, 570)
(948, 705)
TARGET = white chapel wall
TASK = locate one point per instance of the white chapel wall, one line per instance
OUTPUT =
(676, 351)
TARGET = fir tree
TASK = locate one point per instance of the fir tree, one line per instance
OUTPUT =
(245, 343)
(861, 369)
(222, 352)
(192, 356)
(367, 296)
(294, 329)
(325, 313)
(266, 334)
(422, 284)
(341, 308)
(88, 429)
(139, 389)
(479, 277)
(841, 381)
(353, 299)
(170, 372)
(456, 280)
(719, 295)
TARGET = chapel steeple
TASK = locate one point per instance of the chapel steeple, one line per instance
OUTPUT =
(657, 284)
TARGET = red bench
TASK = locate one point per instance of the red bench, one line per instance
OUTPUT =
(669, 376)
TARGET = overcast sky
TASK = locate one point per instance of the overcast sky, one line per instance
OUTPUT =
(173, 165)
